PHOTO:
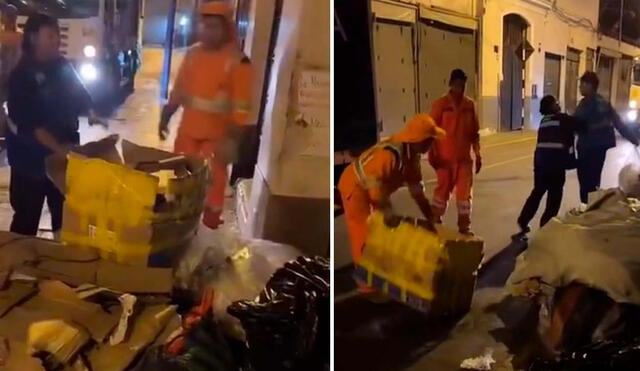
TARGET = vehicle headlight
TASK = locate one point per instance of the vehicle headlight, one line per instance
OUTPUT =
(632, 115)
(88, 72)
(89, 51)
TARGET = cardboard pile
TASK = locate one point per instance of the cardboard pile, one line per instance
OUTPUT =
(139, 209)
(54, 316)
(48, 259)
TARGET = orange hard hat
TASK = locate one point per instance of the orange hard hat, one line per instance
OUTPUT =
(215, 8)
(420, 128)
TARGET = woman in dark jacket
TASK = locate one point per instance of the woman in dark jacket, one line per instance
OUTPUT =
(46, 98)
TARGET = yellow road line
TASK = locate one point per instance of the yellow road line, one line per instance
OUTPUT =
(515, 141)
(486, 167)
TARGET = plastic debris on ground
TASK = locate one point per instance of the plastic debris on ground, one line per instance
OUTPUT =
(232, 267)
(472, 337)
(287, 326)
(482, 362)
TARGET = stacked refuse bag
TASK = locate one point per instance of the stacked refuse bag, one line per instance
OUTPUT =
(287, 327)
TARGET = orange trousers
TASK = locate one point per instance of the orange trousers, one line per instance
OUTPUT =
(356, 212)
(458, 176)
(219, 173)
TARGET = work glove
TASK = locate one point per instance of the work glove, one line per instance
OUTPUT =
(427, 224)
(478, 164)
(163, 130)
(94, 119)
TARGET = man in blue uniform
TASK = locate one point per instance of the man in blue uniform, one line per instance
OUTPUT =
(45, 99)
(554, 155)
(598, 120)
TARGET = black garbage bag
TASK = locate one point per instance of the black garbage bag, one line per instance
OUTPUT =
(614, 355)
(287, 327)
(206, 349)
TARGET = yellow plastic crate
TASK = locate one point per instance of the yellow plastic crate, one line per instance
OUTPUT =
(429, 271)
(110, 207)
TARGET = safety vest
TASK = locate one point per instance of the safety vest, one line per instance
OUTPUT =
(555, 146)
(367, 182)
(221, 103)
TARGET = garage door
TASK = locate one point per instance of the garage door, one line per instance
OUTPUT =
(443, 49)
(605, 73)
(552, 75)
(395, 74)
(624, 82)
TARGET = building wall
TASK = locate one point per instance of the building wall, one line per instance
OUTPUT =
(289, 199)
(466, 7)
(549, 32)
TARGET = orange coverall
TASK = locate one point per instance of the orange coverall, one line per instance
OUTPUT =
(451, 157)
(385, 167)
(214, 88)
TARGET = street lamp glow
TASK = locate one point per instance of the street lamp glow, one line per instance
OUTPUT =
(633, 104)
(89, 51)
(184, 21)
(632, 115)
(89, 72)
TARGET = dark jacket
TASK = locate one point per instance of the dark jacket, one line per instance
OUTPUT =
(51, 97)
(598, 118)
(555, 147)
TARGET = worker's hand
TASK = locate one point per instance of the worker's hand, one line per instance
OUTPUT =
(478, 164)
(64, 149)
(96, 120)
(163, 130)
(427, 224)
(391, 220)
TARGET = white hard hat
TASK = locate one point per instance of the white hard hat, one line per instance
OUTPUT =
(629, 180)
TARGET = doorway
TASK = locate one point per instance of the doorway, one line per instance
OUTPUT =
(571, 80)
(552, 75)
(605, 75)
(515, 51)
(624, 82)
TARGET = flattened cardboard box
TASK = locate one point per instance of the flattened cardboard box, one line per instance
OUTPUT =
(46, 259)
(122, 206)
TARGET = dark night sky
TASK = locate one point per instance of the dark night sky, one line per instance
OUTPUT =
(610, 19)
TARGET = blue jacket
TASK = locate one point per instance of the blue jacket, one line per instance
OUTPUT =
(51, 97)
(596, 116)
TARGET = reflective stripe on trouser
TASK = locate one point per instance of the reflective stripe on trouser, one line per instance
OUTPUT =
(458, 177)
(206, 148)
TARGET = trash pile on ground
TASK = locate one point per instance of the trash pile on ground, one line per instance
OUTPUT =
(65, 308)
(135, 285)
(572, 302)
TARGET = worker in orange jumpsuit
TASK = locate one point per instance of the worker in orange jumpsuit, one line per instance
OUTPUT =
(368, 182)
(214, 88)
(451, 158)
